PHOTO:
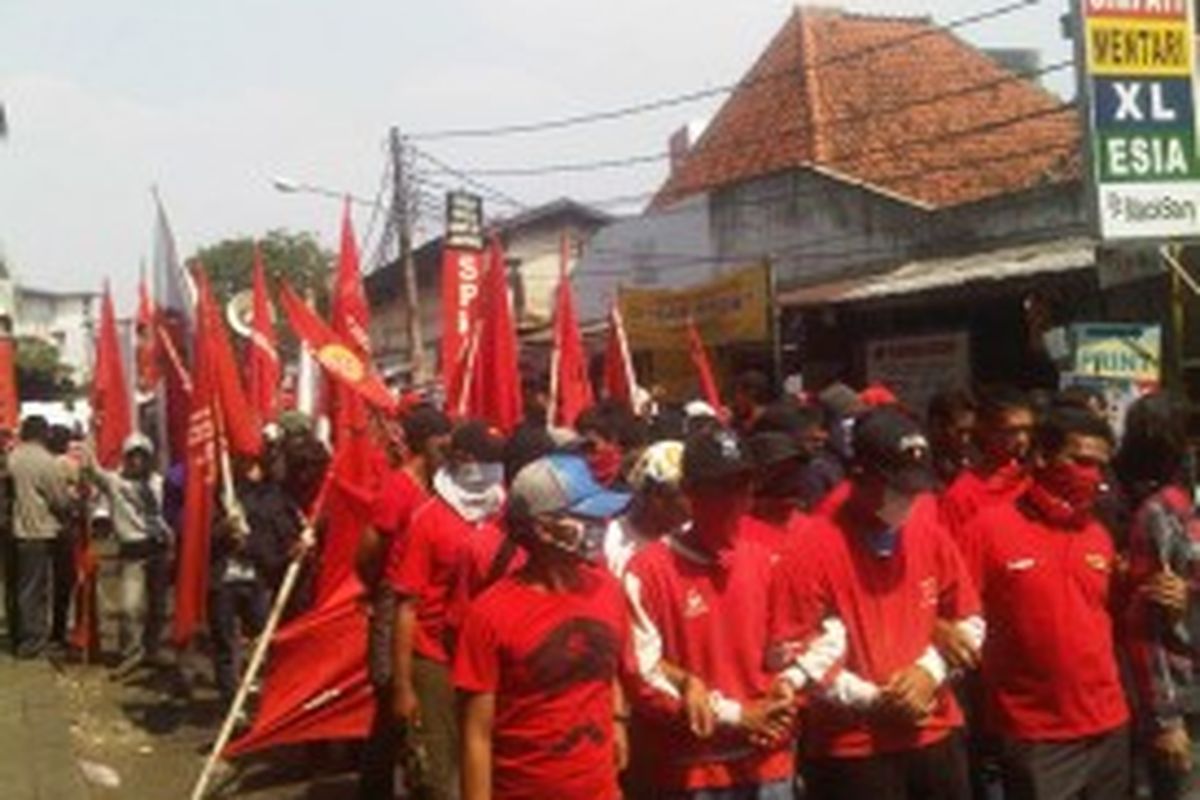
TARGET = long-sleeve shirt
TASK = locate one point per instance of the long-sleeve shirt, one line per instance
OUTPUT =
(1162, 655)
(41, 492)
(136, 505)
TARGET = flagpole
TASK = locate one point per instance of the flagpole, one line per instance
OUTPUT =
(261, 645)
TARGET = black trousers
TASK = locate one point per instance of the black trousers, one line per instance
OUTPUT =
(1093, 768)
(229, 604)
(377, 769)
(935, 772)
(64, 585)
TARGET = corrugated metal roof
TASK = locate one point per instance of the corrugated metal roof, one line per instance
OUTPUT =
(1061, 255)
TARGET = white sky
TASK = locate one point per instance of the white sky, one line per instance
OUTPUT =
(208, 100)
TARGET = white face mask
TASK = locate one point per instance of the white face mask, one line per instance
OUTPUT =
(895, 509)
(476, 477)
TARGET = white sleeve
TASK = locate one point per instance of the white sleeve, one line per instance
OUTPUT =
(647, 641)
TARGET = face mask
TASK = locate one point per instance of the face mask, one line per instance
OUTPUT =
(895, 509)
(1065, 492)
(580, 538)
(477, 478)
(605, 463)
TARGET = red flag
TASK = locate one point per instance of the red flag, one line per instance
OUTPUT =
(200, 485)
(496, 381)
(461, 272)
(335, 354)
(708, 384)
(350, 316)
(620, 383)
(111, 418)
(10, 406)
(148, 373)
(238, 420)
(264, 355)
(316, 685)
(571, 389)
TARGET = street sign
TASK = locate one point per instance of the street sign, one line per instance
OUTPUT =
(464, 221)
(1140, 77)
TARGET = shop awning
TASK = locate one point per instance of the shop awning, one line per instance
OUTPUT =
(994, 266)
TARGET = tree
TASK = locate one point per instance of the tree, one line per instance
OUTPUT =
(297, 258)
(41, 375)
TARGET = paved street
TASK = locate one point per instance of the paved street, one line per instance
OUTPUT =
(72, 733)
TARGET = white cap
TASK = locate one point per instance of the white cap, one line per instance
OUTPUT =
(137, 441)
(699, 408)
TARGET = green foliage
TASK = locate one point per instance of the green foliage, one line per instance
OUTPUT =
(297, 258)
(41, 375)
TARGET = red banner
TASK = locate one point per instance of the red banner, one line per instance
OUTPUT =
(462, 271)
(10, 406)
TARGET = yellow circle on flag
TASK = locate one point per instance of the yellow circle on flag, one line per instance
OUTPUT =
(341, 360)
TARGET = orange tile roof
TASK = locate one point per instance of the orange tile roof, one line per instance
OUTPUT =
(895, 103)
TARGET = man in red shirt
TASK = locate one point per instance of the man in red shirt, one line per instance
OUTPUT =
(468, 496)
(883, 566)
(1004, 431)
(541, 650)
(719, 720)
(775, 516)
(1044, 565)
(414, 461)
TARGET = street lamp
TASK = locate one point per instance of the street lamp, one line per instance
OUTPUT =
(290, 186)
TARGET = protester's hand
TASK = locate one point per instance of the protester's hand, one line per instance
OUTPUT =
(955, 646)
(1169, 592)
(697, 707)
(770, 720)
(407, 708)
(621, 744)
(910, 693)
(1173, 747)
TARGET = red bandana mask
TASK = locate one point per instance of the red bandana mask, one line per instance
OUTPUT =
(1064, 493)
(605, 463)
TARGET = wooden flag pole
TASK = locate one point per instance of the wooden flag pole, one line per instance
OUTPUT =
(307, 541)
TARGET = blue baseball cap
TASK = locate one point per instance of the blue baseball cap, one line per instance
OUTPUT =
(563, 484)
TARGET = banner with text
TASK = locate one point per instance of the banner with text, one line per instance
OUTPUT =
(1139, 74)
(462, 269)
(732, 308)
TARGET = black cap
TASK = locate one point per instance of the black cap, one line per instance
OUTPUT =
(479, 441)
(891, 444)
(423, 423)
(714, 455)
(768, 448)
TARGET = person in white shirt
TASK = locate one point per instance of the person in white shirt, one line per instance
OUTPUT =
(659, 506)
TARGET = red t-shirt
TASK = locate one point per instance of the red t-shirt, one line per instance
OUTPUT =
(832, 503)
(398, 498)
(889, 606)
(972, 492)
(437, 551)
(550, 658)
(773, 537)
(1049, 669)
(711, 620)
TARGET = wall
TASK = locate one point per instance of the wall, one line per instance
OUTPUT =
(67, 321)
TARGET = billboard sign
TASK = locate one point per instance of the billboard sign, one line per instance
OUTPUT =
(1139, 74)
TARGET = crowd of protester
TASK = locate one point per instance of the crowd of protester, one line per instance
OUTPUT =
(831, 596)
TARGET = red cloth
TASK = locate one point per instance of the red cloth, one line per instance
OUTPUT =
(356, 468)
(148, 373)
(315, 687)
(431, 571)
(832, 503)
(237, 419)
(619, 381)
(772, 537)
(10, 406)
(200, 486)
(334, 353)
(264, 370)
(398, 498)
(973, 491)
(350, 315)
(111, 411)
(550, 659)
(461, 274)
(495, 389)
(704, 372)
(572, 387)
(877, 395)
(690, 601)
(1049, 669)
(889, 607)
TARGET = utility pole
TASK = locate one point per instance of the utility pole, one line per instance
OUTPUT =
(403, 207)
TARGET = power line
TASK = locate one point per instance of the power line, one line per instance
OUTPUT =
(494, 193)
(702, 94)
